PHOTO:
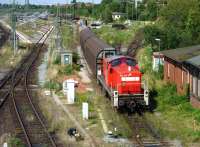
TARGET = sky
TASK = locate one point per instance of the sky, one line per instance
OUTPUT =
(46, 2)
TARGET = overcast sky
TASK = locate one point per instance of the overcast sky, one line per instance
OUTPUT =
(45, 2)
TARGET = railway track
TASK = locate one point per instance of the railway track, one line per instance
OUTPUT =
(144, 134)
(5, 88)
(29, 126)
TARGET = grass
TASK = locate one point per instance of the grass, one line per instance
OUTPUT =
(112, 118)
(116, 37)
(58, 121)
(30, 29)
(15, 142)
(68, 37)
(7, 58)
(173, 115)
(53, 85)
(27, 29)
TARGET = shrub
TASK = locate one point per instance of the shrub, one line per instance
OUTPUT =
(75, 57)
(77, 67)
(145, 60)
(15, 142)
(68, 70)
(82, 97)
(57, 60)
(53, 85)
(167, 95)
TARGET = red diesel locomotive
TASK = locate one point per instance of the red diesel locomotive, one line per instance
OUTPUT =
(118, 75)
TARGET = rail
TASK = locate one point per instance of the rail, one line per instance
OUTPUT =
(22, 72)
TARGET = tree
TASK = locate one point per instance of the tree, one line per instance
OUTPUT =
(151, 10)
(107, 15)
(193, 22)
(178, 24)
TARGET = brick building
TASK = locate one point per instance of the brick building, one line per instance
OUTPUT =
(182, 67)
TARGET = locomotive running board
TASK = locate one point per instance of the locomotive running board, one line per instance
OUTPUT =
(102, 82)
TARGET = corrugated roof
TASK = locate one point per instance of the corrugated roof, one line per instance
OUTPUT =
(194, 61)
(182, 54)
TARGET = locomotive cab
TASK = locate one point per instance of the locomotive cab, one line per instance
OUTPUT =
(123, 75)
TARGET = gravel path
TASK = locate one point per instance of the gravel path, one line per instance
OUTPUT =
(73, 119)
(84, 71)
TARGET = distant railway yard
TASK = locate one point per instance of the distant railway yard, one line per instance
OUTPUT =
(70, 79)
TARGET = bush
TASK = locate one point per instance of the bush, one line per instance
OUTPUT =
(167, 95)
(53, 85)
(57, 60)
(68, 70)
(15, 142)
(145, 60)
(82, 97)
(75, 57)
(77, 67)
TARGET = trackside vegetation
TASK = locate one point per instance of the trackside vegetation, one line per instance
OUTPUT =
(173, 114)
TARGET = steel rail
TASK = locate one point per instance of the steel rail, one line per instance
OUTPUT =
(17, 70)
(144, 123)
(32, 105)
(17, 112)
(25, 75)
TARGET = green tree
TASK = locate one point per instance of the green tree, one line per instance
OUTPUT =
(193, 22)
(151, 10)
(107, 15)
(178, 25)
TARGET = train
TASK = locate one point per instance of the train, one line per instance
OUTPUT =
(118, 75)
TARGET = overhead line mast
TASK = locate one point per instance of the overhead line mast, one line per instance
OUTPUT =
(13, 25)
(27, 3)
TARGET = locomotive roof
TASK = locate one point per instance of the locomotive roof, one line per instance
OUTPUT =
(118, 57)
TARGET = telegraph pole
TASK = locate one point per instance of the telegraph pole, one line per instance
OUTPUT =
(127, 9)
(93, 8)
(13, 24)
(74, 6)
(58, 24)
(136, 7)
(27, 4)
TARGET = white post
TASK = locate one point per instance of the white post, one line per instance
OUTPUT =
(5, 144)
(85, 110)
(70, 91)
